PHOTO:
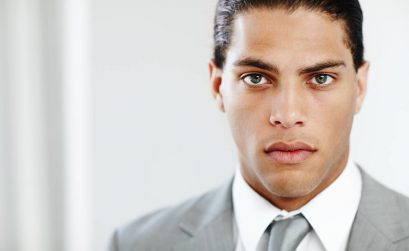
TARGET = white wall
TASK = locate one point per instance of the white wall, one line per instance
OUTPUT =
(5, 212)
(159, 137)
(24, 122)
(381, 135)
(45, 186)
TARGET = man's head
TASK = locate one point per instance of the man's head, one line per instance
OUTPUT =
(348, 12)
(290, 77)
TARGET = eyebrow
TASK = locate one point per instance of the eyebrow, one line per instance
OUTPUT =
(256, 63)
(321, 66)
(273, 68)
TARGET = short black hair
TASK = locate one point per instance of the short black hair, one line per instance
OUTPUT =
(348, 11)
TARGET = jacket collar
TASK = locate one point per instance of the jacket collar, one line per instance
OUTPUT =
(210, 222)
(378, 223)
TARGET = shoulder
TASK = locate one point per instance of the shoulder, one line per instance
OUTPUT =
(164, 228)
(143, 232)
(383, 212)
(375, 194)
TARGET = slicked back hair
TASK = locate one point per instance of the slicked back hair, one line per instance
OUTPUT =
(347, 11)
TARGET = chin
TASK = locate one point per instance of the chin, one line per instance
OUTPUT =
(292, 192)
(293, 185)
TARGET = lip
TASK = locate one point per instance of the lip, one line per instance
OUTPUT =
(290, 153)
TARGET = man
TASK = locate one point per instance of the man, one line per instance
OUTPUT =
(290, 76)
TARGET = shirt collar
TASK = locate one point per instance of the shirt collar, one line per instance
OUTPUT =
(253, 213)
(332, 212)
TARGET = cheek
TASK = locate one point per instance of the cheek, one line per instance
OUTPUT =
(334, 118)
(241, 114)
(248, 116)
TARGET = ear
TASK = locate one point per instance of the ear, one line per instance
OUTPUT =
(362, 81)
(216, 81)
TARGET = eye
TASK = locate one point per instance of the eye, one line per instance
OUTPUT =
(322, 80)
(254, 79)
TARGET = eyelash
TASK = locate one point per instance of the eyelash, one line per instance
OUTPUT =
(321, 86)
(242, 78)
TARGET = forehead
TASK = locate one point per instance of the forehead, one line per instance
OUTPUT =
(298, 37)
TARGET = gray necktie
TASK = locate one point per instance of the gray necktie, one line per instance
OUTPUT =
(286, 235)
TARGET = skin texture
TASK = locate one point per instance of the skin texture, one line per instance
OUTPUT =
(288, 101)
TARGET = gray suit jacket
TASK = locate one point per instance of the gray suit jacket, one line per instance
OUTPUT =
(206, 224)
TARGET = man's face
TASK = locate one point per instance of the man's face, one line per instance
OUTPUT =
(290, 91)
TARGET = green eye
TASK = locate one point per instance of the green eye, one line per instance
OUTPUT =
(322, 79)
(254, 79)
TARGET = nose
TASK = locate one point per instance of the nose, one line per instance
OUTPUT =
(288, 106)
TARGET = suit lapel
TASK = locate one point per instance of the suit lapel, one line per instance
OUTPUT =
(377, 225)
(217, 236)
(210, 223)
(364, 236)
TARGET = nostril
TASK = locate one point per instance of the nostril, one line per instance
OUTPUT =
(286, 124)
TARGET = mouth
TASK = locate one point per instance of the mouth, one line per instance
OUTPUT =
(289, 153)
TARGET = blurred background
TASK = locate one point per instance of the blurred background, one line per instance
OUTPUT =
(106, 114)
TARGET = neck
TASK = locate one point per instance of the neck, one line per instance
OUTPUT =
(291, 203)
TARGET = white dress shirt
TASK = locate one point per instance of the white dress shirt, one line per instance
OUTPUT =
(331, 213)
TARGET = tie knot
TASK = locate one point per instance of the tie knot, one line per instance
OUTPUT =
(286, 235)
